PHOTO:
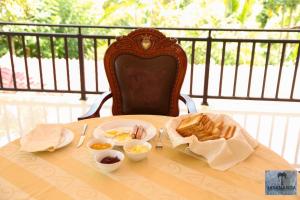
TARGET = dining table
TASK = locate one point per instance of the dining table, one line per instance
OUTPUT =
(167, 173)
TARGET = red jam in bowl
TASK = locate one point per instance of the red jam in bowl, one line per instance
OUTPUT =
(109, 160)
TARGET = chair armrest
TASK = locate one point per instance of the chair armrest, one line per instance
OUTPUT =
(94, 111)
(189, 103)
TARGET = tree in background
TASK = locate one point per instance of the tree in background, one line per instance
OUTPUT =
(286, 10)
(51, 12)
(154, 13)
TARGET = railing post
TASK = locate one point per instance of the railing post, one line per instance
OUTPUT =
(206, 73)
(11, 54)
(81, 64)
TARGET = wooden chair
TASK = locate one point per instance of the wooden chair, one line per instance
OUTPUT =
(145, 71)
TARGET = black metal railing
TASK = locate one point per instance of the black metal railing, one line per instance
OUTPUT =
(211, 39)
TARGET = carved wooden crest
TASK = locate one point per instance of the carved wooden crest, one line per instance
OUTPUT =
(146, 42)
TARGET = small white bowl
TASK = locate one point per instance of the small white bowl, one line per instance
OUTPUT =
(101, 140)
(136, 156)
(108, 167)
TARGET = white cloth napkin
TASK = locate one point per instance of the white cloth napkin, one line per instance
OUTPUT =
(42, 138)
(220, 154)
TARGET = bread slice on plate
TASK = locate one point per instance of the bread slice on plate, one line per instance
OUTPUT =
(188, 125)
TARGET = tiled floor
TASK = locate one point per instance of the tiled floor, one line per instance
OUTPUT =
(276, 125)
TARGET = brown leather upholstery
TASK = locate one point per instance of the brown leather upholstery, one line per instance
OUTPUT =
(145, 83)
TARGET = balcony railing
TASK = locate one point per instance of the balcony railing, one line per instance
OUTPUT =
(242, 64)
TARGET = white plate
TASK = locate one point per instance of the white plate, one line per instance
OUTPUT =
(127, 125)
(67, 138)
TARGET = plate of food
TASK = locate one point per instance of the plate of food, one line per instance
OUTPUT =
(123, 130)
(205, 127)
(200, 128)
(216, 137)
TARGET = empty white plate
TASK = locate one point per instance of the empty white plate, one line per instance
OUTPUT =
(67, 138)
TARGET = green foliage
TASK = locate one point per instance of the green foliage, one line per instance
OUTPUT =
(3, 45)
(159, 13)
(231, 6)
(270, 7)
(52, 12)
(277, 7)
(292, 53)
(247, 7)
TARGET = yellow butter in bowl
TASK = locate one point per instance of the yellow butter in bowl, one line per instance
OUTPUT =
(139, 148)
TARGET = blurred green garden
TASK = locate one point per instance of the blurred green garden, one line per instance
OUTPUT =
(249, 14)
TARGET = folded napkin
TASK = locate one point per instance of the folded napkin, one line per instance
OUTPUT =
(42, 138)
(220, 154)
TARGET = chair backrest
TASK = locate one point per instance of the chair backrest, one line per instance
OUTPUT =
(145, 71)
